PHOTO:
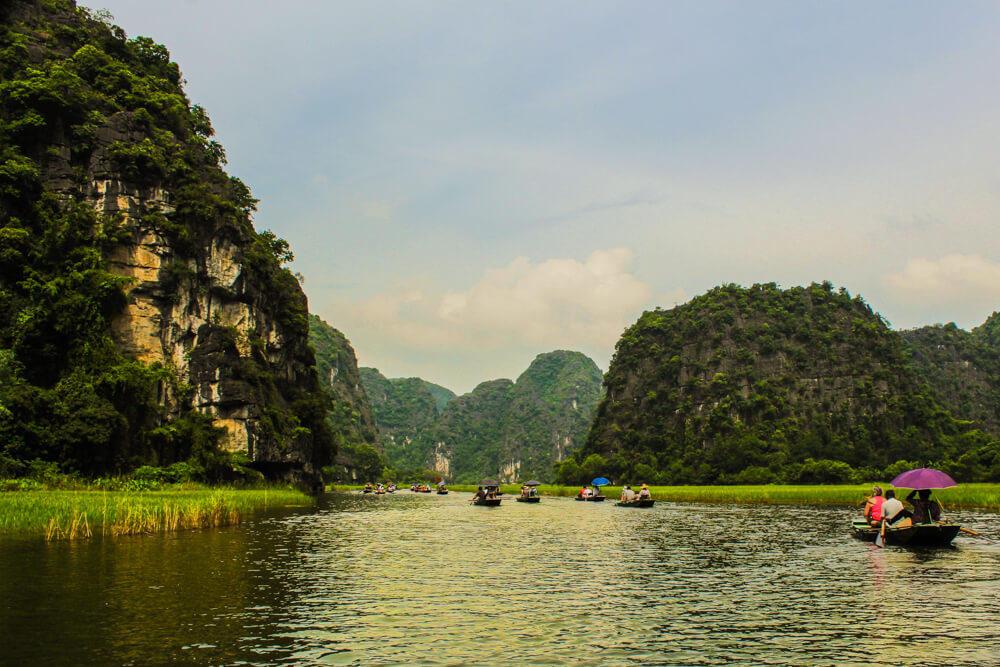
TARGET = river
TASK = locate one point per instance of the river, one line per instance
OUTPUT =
(417, 579)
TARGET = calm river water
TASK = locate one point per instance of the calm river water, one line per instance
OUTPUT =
(416, 579)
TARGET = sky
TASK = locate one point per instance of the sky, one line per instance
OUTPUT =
(466, 185)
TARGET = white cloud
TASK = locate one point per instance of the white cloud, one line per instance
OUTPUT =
(955, 279)
(555, 304)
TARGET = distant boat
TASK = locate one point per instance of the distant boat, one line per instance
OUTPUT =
(916, 535)
(645, 502)
(528, 499)
(488, 502)
(592, 499)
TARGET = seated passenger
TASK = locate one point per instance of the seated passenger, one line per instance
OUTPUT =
(925, 510)
(892, 509)
(873, 507)
(644, 493)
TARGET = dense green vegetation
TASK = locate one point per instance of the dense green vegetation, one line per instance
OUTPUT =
(80, 102)
(350, 415)
(762, 385)
(960, 369)
(501, 428)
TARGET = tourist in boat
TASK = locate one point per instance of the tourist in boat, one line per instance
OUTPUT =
(628, 495)
(584, 492)
(892, 509)
(925, 510)
(532, 491)
(644, 493)
(491, 492)
(524, 491)
(480, 494)
(873, 506)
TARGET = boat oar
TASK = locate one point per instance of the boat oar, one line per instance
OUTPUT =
(964, 530)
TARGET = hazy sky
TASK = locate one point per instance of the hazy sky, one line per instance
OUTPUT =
(468, 184)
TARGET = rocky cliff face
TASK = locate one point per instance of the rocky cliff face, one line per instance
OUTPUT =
(205, 296)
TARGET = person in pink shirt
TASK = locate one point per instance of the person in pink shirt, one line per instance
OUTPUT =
(873, 506)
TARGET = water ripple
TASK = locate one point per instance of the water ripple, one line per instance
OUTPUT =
(415, 579)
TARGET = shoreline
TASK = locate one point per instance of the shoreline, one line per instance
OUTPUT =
(983, 496)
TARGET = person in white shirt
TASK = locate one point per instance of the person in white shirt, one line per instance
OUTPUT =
(892, 508)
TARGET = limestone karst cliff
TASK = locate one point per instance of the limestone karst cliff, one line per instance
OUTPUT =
(503, 429)
(762, 384)
(134, 284)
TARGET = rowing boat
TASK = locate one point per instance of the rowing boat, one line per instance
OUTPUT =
(488, 502)
(592, 499)
(528, 499)
(916, 535)
(645, 502)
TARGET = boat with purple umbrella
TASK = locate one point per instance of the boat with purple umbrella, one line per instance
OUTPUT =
(923, 532)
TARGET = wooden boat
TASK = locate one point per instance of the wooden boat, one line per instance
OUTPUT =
(488, 502)
(645, 502)
(442, 491)
(916, 535)
(593, 499)
(528, 499)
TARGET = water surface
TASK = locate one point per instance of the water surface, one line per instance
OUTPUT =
(417, 579)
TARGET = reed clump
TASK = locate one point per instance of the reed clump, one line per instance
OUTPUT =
(60, 515)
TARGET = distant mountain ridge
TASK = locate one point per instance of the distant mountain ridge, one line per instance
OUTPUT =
(502, 428)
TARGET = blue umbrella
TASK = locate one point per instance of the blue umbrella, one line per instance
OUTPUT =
(601, 481)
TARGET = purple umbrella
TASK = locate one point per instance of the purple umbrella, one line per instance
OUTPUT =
(923, 478)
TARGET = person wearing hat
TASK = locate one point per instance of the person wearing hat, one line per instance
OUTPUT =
(644, 493)
(628, 494)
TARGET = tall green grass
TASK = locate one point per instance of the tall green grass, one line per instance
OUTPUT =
(986, 496)
(82, 514)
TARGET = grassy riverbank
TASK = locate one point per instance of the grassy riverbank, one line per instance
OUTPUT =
(83, 514)
(986, 496)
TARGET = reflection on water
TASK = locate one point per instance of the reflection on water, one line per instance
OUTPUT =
(414, 579)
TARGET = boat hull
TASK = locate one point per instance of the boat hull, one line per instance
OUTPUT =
(592, 499)
(645, 502)
(917, 535)
(528, 499)
(488, 502)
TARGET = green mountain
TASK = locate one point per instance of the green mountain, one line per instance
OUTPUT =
(406, 413)
(510, 430)
(143, 319)
(350, 415)
(807, 384)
